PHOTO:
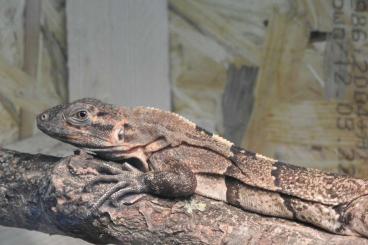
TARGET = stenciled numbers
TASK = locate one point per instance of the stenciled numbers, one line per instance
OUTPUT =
(352, 72)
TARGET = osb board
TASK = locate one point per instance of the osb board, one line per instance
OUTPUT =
(20, 102)
(30, 81)
(206, 37)
(303, 109)
(311, 106)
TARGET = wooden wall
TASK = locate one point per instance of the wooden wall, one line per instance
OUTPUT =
(32, 63)
(309, 101)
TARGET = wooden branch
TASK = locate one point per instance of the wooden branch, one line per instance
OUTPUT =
(45, 193)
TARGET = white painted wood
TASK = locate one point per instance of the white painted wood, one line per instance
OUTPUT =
(16, 236)
(118, 51)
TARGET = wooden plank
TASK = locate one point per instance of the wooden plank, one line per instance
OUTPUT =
(237, 101)
(32, 64)
(118, 51)
(310, 102)
(32, 16)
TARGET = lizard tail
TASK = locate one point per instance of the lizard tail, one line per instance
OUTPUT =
(256, 200)
(276, 204)
(339, 219)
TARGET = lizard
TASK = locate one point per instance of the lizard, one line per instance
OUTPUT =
(170, 156)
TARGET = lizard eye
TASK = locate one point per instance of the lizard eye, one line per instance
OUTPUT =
(82, 115)
(79, 117)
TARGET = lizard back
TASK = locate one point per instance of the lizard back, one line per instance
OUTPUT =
(254, 169)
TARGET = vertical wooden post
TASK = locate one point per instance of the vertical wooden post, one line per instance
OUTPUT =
(118, 51)
(32, 15)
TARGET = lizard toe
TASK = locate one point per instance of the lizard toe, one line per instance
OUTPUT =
(115, 178)
(127, 195)
(131, 168)
(108, 169)
(115, 198)
(127, 183)
(107, 195)
(100, 179)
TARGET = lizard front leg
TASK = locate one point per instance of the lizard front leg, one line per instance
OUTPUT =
(174, 182)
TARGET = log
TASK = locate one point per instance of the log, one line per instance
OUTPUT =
(45, 193)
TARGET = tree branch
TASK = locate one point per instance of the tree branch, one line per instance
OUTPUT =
(45, 193)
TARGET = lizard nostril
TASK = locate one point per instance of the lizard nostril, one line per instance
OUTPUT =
(44, 116)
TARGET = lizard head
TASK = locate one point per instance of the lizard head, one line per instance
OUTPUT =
(85, 123)
(111, 132)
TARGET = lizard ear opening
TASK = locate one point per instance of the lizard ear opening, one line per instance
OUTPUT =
(121, 134)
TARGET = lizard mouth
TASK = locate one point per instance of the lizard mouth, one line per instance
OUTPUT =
(102, 148)
(117, 149)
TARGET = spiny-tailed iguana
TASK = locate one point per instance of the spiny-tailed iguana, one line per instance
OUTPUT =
(177, 158)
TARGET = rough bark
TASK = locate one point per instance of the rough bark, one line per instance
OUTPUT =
(45, 193)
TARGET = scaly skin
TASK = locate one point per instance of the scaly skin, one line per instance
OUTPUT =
(176, 158)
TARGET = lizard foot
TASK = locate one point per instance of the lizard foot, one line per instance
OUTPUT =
(128, 183)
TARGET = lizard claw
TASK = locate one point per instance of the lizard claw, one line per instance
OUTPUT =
(108, 169)
(131, 168)
(119, 194)
(132, 198)
(99, 179)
